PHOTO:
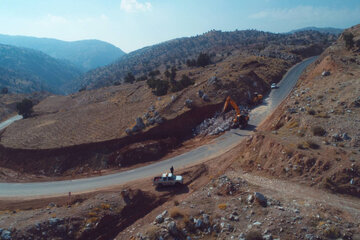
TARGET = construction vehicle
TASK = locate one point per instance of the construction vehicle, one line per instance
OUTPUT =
(168, 179)
(257, 98)
(241, 119)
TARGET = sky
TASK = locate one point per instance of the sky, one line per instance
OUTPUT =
(133, 24)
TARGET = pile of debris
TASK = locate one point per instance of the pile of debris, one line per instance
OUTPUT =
(215, 125)
(151, 117)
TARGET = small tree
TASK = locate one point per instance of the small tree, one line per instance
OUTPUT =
(203, 60)
(129, 78)
(349, 40)
(162, 87)
(4, 90)
(25, 107)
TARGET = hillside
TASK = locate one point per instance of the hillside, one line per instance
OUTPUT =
(315, 133)
(91, 126)
(85, 54)
(8, 102)
(217, 44)
(24, 70)
(331, 30)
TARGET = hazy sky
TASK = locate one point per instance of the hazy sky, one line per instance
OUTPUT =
(133, 24)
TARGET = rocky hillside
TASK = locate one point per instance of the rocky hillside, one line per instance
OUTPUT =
(131, 123)
(219, 45)
(85, 54)
(331, 30)
(8, 102)
(315, 137)
(24, 70)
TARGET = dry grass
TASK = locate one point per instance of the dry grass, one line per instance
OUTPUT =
(222, 206)
(152, 232)
(175, 212)
(318, 131)
(105, 206)
(293, 124)
(92, 214)
(253, 235)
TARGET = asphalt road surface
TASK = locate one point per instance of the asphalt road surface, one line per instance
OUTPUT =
(218, 147)
(9, 121)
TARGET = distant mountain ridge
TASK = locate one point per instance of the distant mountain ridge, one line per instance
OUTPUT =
(85, 54)
(24, 70)
(216, 43)
(322, 30)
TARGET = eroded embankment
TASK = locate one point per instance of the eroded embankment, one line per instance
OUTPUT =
(138, 148)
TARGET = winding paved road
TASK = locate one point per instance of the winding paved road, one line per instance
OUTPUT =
(218, 147)
(9, 121)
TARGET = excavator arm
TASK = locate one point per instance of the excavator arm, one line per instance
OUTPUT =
(232, 103)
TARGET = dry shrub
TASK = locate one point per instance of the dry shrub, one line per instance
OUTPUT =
(289, 152)
(318, 131)
(322, 115)
(152, 232)
(313, 145)
(332, 232)
(176, 203)
(175, 212)
(311, 112)
(253, 235)
(222, 206)
(293, 124)
(92, 214)
(92, 220)
(105, 206)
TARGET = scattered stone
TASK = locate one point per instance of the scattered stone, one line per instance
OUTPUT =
(268, 237)
(159, 219)
(201, 93)
(260, 198)
(325, 73)
(250, 199)
(205, 97)
(5, 235)
(189, 103)
(171, 227)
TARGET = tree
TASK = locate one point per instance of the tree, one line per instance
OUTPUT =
(129, 78)
(161, 88)
(349, 40)
(25, 107)
(4, 90)
(203, 60)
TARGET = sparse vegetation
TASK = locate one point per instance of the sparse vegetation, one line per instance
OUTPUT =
(222, 206)
(311, 112)
(25, 108)
(318, 131)
(129, 78)
(175, 212)
(253, 235)
(349, 40)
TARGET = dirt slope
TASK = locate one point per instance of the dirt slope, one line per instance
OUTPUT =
(315, 137)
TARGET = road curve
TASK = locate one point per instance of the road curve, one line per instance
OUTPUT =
(218, 147)
(9, 121)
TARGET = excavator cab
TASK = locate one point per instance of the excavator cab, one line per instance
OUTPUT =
(257, 98)
(241, 119)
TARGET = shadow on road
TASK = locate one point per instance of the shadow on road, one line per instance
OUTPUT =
(174, 189)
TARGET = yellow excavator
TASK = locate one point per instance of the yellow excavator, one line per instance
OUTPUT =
(242, 118)
(257, 98)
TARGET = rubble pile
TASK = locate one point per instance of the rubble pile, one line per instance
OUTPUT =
(215, 125)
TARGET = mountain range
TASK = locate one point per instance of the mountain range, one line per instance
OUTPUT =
(24, 70)
(85, 54)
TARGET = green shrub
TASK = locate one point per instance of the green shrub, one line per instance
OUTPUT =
(25, 108)
(349, 40)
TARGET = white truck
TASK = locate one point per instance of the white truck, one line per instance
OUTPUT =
(168, 179)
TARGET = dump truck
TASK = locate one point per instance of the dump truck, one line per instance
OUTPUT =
(168, 179)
